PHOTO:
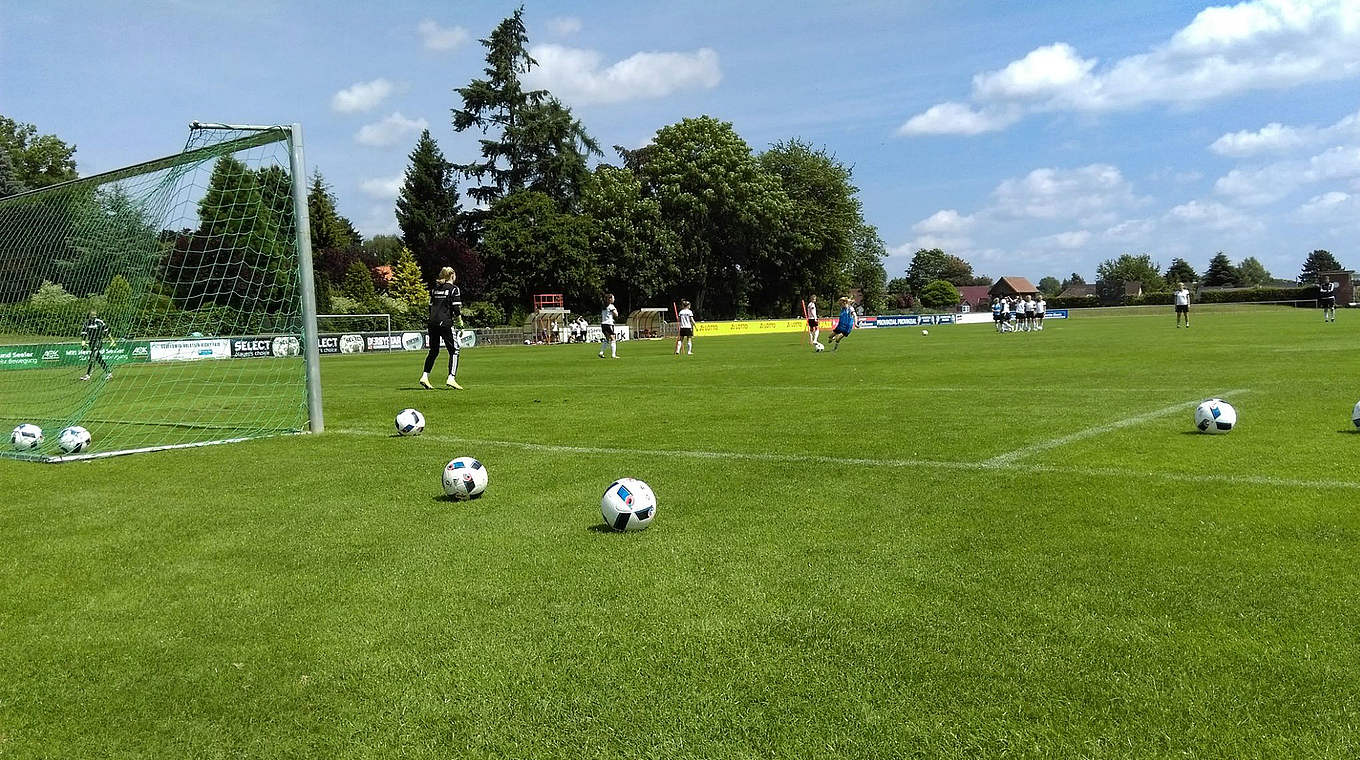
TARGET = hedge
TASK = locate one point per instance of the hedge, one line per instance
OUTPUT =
(1306, 293)
(1072, 302)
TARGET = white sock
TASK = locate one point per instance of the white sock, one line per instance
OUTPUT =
(424, 377)
(614, 349)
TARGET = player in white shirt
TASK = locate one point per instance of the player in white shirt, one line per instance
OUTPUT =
(686, 335)
(1029, 314)
(607, 317)
(1327, 299)
(1182, 298)
(814, 327)
(1039, 307)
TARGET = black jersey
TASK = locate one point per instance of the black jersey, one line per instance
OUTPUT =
(446, 302)
(94, 331)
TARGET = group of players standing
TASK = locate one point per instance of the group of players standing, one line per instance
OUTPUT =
(1016, 314)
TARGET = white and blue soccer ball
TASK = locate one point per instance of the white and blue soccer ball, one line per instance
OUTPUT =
(464, 478)
(73, 440)
(1355, 414)
(410, 422)
(1215, 416)
(27, 437)
(628, 505)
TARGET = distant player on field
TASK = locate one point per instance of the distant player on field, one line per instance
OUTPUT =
(814, 327)
(1182, 297)
(1039, 308)
(686, 336)
(1327, 299)
(845, 324)
(607, 317)
(1030, 307)
(996, 315)
(92, 336)
(446, 305)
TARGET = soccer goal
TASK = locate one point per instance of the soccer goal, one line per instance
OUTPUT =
(163, 305)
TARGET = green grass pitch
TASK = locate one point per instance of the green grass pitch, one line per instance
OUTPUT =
(963, 545)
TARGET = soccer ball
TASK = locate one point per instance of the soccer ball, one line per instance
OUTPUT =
(27, 437)
(73, 440)
(818, 347)
(464, 478)
(628, 505)
(925, 332)
(410, 422)
(1215, 416)
(1355, 416)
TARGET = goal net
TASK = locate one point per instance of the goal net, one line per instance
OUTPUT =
(161, 305)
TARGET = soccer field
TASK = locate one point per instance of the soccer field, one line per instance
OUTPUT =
(957, 545)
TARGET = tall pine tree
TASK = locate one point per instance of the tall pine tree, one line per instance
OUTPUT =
(1318, 261)
(531, 141)
(427, 206)
(329, 229)
(1221, 271)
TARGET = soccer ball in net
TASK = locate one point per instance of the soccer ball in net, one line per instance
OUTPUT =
(628, 504)
(27, 437)
(73, 440)
(410, 422)
(1215, 416)
(464, 478)
(1355, 415)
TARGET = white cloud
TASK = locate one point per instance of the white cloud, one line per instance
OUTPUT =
(943, 221)
(564, 26)
(1069, 241)
(379, 219)
(361, 96)
(1046, 72)
(579, 77)
(436, 37)
(955, 244)
(958, 119)
(1090, 193)
(1213, 216)
(1279, 138)
(383, 187)
(390, 131)
(1334, 206)
(1263, 185)
(1223, 51)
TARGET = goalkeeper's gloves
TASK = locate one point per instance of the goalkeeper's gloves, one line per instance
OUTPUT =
(84, 344)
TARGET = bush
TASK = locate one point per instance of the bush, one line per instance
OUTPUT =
(940, 294)
(1148, 299)
(483, 314)
(1073, 302)
(1251, 295)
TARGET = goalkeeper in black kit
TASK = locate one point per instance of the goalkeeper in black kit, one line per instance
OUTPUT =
(446, 308)
(92, 336)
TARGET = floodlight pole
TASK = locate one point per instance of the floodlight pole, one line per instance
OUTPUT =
(302, 229)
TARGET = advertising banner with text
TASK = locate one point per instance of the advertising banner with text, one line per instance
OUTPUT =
(68, 355)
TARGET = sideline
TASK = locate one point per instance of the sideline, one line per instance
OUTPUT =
(1053, 443)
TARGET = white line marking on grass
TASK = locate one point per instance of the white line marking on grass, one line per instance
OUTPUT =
(1034, 448)
(924, 464)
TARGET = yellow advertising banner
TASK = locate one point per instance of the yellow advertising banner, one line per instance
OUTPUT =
(757, 326)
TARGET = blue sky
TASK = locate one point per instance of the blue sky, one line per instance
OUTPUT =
(1031, 138)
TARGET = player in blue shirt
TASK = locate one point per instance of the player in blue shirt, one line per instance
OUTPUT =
(845, 324)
